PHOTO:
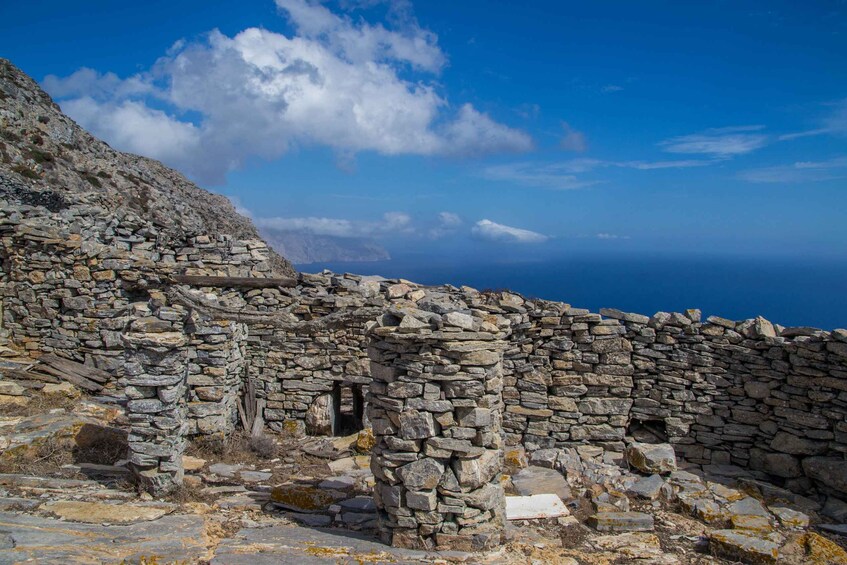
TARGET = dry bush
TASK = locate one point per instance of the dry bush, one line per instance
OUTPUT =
(264, 446)
(40, 403)
(185, 493)
(237, 447)
(41, 458)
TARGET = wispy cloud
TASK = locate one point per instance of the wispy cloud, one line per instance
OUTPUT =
(835, 123)
(572, 140)
(564, 174)
(719, 143)
(801, 171)
(391, 223)
(609, 88)
(610, 236)
(338, 82)
(492, 231)
(556, 176)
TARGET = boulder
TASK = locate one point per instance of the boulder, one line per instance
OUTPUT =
(320, 417)
(828, 471)
(651, 458)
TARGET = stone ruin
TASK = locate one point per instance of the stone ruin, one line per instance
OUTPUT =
(196, 332)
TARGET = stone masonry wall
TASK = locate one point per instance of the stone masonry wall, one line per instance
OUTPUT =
(772, 399)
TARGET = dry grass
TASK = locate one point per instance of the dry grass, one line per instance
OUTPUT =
(237, 447)
(42, 458)
(40, 403)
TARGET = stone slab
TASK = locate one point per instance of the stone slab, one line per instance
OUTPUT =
(175, 538)
(534, 507)
(294, 545)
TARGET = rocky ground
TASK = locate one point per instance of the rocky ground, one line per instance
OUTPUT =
(65, 496)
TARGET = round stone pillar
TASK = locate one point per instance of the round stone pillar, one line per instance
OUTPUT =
(436, 409)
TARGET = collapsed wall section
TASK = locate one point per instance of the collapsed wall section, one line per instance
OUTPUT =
(435, 404)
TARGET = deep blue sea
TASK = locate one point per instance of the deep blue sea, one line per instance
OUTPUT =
(791, 292)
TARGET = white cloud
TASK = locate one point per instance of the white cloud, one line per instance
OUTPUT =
(609, 88)
(448, 224)
(137, 128)
(572, 140)
(449, 219)
(835, 123)
(607, 236)
(486, 229)
(720, 143)
(801, 171)
(391, 223)
(337, 82)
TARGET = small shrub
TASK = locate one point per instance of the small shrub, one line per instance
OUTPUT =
(43, 119)
(25, 171)
(263, 446)
(93, 180)
(37, 139)
(38, 155)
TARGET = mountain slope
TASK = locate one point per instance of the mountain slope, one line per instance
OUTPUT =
(47, 159)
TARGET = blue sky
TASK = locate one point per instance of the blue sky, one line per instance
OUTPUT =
(476, 128)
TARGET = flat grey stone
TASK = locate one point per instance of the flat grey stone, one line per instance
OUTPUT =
(621, 522)
(541, 480)
(748, 507)
(255, 476)
(174, 538)
(344, 482)
(312, 520)
(359, 504)
(295, 545)
(224, 470)
(742, 546)
(647, 487)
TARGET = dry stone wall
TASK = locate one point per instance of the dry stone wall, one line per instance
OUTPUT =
(74, 280)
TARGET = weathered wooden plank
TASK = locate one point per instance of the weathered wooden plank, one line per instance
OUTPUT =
(72, 378)
(235, 282)
(17, 374)
(37, 385)
(84, 371)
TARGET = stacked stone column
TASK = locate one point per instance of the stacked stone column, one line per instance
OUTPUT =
(436, 404)
(155, 383)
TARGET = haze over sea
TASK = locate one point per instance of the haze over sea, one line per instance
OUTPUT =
(795, 292)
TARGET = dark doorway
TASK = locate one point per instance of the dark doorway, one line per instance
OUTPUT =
(350, 406)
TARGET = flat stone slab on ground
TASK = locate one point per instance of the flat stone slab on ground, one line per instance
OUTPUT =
(176, 538)
(102, 513)
(622, 522)
(648, 487)
(742, 546)
(295, 545)
(540, 480)
(535, 507)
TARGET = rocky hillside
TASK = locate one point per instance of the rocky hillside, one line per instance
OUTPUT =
(47, 159)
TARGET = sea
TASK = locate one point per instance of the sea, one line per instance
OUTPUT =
(790, 292)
